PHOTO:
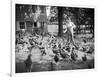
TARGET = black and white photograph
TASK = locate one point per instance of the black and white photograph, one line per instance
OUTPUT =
(53, 38)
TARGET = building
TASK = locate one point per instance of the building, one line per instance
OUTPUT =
(29, 23)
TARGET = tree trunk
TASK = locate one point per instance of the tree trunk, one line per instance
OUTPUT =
(60, 21)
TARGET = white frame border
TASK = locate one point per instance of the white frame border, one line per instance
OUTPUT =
(35, 2)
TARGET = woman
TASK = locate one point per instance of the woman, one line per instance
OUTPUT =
(69, 30)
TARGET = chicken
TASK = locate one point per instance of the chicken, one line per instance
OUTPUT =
(63, 53)
(73, 56)
(42, 49)
(28, 63)
(84, 58)
(55, 51)
(56, 59)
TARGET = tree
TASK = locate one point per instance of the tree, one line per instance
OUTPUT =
(60, 21)
(80, 16)
(53, 14)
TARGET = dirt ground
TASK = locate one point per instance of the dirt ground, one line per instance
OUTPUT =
(62, 65)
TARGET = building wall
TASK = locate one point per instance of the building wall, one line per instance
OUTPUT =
(18, 25)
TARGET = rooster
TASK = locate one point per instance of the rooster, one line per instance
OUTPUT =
(28, 63)
(84, 58)
(56, 58)
(73, 55)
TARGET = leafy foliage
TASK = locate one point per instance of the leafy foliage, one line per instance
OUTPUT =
(77, 15)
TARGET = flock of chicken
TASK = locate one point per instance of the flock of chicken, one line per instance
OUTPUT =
(40, 48)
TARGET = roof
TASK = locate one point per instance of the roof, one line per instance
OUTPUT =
(29, 19)
(42, 18)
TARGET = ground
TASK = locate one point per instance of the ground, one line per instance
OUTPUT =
(62, 65)
(22, 51)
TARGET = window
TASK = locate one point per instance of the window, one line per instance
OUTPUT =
(35, 24)
(22, 25)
